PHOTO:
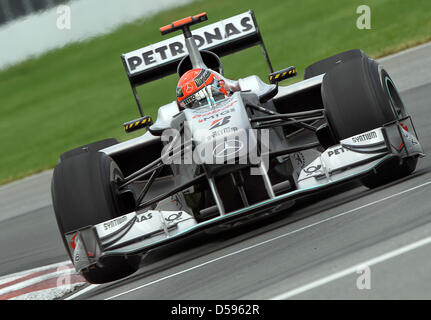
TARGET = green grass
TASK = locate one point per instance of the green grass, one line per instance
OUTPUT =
(80, 93)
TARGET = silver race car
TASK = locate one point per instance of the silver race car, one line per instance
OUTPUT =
(225, 151)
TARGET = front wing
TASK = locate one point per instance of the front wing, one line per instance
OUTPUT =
(137, 233)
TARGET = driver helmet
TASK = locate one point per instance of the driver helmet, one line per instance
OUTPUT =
(199, 87)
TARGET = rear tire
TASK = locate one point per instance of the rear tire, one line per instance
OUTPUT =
(83, 194)
(359, 96)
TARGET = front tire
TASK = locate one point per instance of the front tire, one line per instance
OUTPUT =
(359, 96)
(84, 194)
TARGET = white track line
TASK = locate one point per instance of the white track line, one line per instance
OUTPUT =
(353, 269)
(266, 241)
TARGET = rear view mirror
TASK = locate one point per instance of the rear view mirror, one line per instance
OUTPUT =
(281, 75)
(138, 124)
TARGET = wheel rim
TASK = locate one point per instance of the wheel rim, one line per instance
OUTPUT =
(395, 99)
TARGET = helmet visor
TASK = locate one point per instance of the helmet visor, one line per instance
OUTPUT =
(208, 95)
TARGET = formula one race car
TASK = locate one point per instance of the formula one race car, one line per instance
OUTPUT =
(225, 151)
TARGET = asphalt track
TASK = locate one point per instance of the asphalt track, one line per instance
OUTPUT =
(314, 252)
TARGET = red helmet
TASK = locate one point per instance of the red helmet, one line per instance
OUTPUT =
(199, 87)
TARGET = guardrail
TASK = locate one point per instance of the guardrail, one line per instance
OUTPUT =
(13, 9)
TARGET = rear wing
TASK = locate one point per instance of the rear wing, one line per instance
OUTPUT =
(222, 38)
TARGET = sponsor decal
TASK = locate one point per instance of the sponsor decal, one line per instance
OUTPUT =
(73, 244)
(149, 215)
(407, 136)
(299, 159)
(114, 223)
(207, 37)
(220, 122)
(189, 88)
(364, 137)
(189, 99)
(312, 169)
(174, 216)
(216, 115)
(200, 114)
(73, 241)
(204, 153)
(404, 127)
(228, 148)
(222, 132)
(202, 77)
(144, 217)
(336, 151)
